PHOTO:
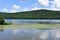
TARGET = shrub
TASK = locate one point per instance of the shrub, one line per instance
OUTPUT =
(2, 21)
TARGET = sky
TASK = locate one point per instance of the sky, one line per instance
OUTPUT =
(28, 5)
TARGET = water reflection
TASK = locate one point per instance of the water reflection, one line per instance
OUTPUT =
(32, 21)
(30, 34)
(2, 28)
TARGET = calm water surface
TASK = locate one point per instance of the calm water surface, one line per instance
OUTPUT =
(30, 21)
(14, 32)
(30, 34)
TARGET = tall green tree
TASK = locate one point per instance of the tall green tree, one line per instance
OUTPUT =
(2, 21)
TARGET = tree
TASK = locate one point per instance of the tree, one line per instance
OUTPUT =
(2, 21)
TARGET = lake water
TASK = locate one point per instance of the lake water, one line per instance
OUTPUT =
(28, 30)
(30, 34)
(30, 21)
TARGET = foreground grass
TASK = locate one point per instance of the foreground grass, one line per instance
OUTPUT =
(30, 26)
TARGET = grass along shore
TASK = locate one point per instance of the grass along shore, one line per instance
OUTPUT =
(30, 26)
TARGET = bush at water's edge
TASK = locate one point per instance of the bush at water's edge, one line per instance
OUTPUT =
(2, 21)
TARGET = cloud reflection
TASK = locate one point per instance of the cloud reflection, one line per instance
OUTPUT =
(30, 34)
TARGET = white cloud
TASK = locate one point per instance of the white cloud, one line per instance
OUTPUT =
(35, 8)
(35, 4)
(44, 2)
(57, 3)
(25, 9)
(54, 6)
(4, 10)
(30, 9)
(15, 8)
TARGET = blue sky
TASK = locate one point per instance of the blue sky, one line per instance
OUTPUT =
(27, 5)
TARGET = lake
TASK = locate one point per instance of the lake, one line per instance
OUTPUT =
(30, 34)
(30, 30)
(30, 21)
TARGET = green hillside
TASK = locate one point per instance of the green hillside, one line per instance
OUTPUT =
(36, 14)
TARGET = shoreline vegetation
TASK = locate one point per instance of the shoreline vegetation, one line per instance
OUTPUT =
(36, 14)
(2, 21)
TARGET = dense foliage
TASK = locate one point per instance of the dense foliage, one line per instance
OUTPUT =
(37, 14)
(2, 21)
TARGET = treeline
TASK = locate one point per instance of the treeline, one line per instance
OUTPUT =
(37, 14)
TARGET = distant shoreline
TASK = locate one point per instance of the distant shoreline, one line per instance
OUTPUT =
(36, 18)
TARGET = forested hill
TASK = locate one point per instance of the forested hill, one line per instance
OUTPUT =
(36, 14)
